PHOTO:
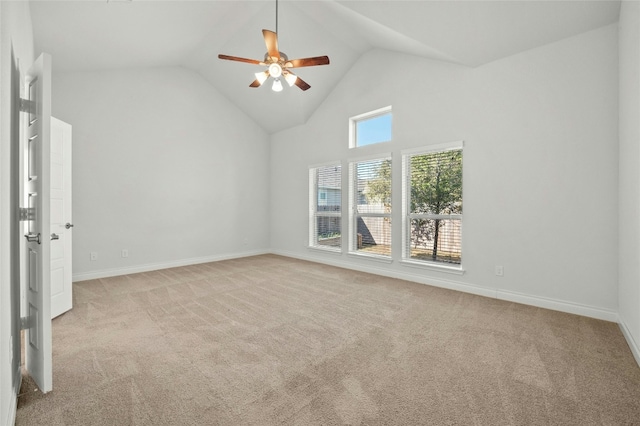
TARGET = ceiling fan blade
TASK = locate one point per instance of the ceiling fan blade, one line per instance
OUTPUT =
(271, 40)
(255, 83)
(308, 62)
(236, 58)
(302, 84)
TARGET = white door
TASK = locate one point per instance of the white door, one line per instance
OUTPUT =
(61, 224)
(37, 249)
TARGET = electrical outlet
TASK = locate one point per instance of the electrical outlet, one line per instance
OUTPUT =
(125, 253)
(94, 256)
(499, 270)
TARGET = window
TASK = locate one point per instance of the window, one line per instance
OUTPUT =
(433, 205)
(325, 199)
(370, 128)
(370, 199)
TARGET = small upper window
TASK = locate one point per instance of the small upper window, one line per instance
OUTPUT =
(370, 128)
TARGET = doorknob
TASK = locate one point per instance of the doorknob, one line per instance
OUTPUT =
(68, 225)
(55, 237)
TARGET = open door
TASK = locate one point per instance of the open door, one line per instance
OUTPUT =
(36, 214)
(60, 220)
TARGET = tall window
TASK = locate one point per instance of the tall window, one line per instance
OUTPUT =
(325, 199)
(370, 128)
(370, 199)
(433, 205)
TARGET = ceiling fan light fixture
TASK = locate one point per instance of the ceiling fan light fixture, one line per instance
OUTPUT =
(290, 78)
(275, 70)
(262, 76)
(277, 63)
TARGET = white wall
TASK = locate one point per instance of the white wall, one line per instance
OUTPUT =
(629, 207)
(540, 166)
(16, 36)
(163, 166)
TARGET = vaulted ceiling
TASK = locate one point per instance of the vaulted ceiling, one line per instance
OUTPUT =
(92, 35)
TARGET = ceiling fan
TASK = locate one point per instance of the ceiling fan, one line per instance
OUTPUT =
(278, 64)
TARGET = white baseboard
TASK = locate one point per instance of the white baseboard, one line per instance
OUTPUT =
(105, 273)
(633, 345)
(372, 269)
(526, 299)
(558, 305)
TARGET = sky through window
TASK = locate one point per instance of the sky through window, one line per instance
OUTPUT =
(373, 130)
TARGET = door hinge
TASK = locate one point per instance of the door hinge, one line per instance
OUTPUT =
(26, 105)
(33, 238)
(27, 213)
(25, 323)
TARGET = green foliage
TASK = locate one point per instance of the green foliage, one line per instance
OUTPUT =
(379, 189)
(436, 188)
(436, 183)
(328, 234)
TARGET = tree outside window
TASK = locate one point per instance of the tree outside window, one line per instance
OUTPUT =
(434, 220)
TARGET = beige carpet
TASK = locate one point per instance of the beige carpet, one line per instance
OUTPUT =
(272, 340)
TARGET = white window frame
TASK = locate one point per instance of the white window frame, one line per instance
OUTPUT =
(353, 209)
(407, 216)
(314, 214)
(353, 125)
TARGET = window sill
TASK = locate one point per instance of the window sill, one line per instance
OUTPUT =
(382, 259)
(456, 270)
(329, 250)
